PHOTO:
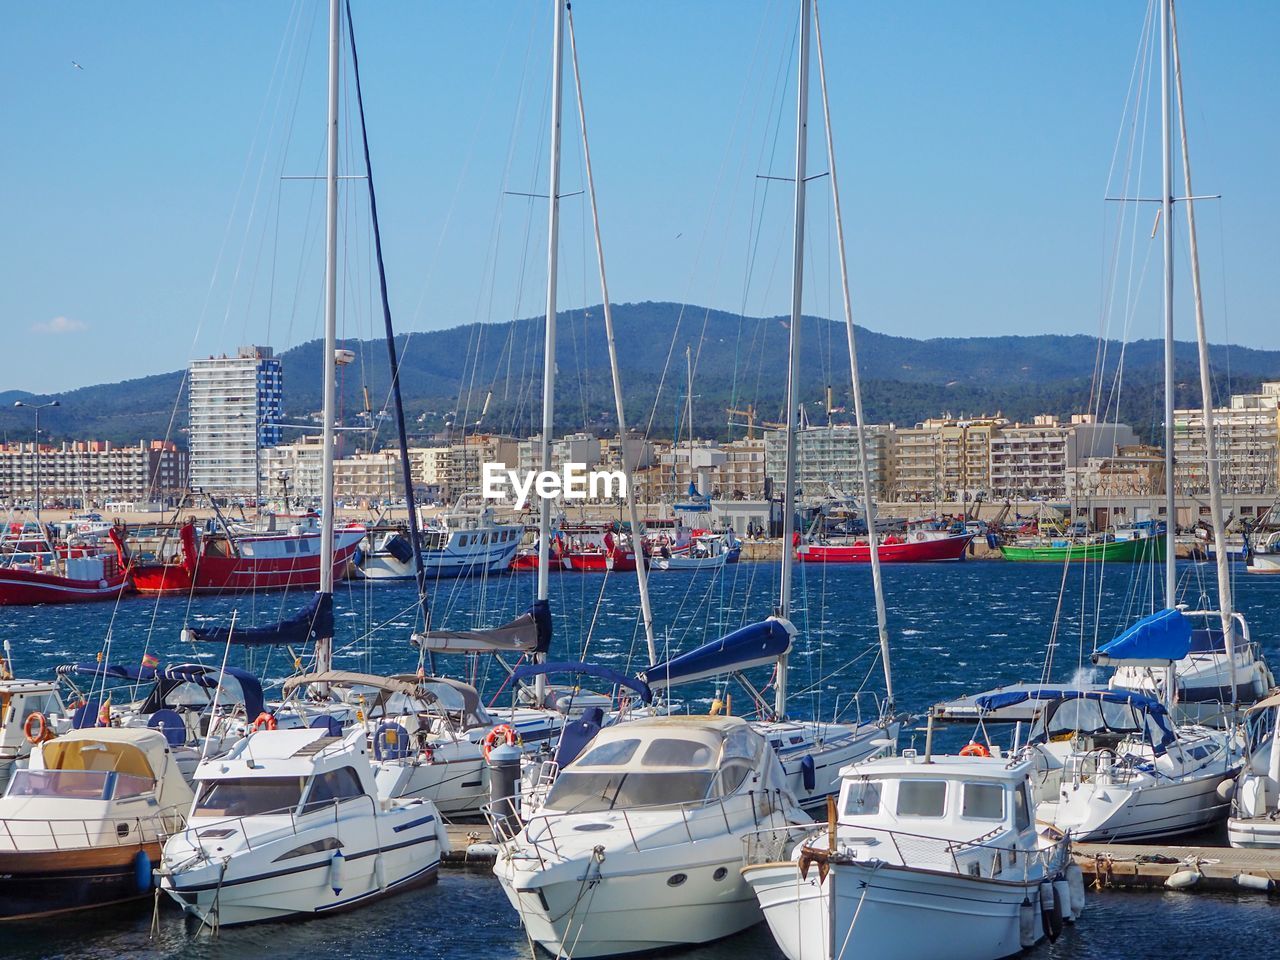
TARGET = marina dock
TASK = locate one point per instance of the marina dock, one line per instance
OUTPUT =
(1138, 866)
(464, 836)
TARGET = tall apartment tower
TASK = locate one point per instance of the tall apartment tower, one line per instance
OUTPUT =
(235, 407)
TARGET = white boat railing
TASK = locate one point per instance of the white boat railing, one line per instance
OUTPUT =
(21, 835)
(538, 836)
(978, 857)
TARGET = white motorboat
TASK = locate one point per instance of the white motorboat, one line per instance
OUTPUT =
(639, 842)
(1264, 557)
(709, 551)
(465, 542)
(82, 825)
(289, 823)
(927, 857)
(1255, 817)
(1204, 676)
(1113, 767)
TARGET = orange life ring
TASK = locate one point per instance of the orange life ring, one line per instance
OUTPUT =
(974, 749)
(501, 732)
(36, 719)
(264, 721)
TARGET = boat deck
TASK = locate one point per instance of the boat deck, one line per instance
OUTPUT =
(1140, 866)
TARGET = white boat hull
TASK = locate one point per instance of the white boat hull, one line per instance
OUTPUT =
(1103, 813)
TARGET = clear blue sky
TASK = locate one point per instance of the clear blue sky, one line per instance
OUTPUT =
(145, 220)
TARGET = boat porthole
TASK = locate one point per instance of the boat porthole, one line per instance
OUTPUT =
(721, 873)
(676, 879)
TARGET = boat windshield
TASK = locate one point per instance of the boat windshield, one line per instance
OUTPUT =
(639, 772)
(1088, 717)
(249, 796)
(78, 784)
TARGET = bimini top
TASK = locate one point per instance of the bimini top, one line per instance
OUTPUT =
(750, 646)
(1069, 710)
(207, 678)
(1154, 641)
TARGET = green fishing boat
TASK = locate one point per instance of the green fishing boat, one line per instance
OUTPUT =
(1137, 550)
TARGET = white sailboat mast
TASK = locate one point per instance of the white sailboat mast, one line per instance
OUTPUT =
(868, 496)
(1166, 213)
(324, 645)
(793, 354)
(1225, 604)
(642, 574)
(549, 343)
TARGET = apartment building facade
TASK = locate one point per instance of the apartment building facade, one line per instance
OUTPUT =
(235, 407)
(1247, 431)
(94, 471)
(827, 459)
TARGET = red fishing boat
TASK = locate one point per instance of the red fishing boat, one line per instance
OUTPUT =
(918, 546)
(65, 574)
(224, 561)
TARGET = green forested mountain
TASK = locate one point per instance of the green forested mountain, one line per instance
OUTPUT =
(489, 375)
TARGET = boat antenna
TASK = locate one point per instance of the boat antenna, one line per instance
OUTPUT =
(868, 497)
(324, 645)
(1225, 605)
(637, 543)
(793, 358)
(549, 343)
(415, 537)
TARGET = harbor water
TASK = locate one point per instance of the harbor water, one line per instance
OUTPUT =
(955, 628)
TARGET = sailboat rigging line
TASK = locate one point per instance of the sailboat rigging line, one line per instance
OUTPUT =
(420, 577)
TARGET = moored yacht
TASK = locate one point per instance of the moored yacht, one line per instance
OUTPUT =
(638, 844)
(922, 857)
(465, 542)
(82, 825)
(290, 823)
(1255, 815)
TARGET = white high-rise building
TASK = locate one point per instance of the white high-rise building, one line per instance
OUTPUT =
(235, 408)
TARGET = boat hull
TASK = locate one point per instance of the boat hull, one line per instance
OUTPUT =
(600, 562)
(19, 587)
(42, 883)
(1160, 810)
(1114, 551)
(941, 550)
(1264, 563)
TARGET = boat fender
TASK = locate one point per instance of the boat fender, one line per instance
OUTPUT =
(380, 872)
(142, 873)
(1075, 881)
(1251, 881)
(1062, 897)
(358, 557)
(1182, 880)
(336, 864)
(808, 772)
(1047, 912)
(1027, 932)
(1226, 790)
(481, 850)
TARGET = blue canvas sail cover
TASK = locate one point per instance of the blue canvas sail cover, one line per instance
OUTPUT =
(207, 677)
(1160, 729)
(1154, 641)
(749, 646)
(528, 633)
(527, 671)
(312, 621)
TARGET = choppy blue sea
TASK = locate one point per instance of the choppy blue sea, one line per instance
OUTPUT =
(955, 629)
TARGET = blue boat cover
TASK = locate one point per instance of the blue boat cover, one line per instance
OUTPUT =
(527, 671)
(1154, 641)
(312, 621)
(106, 671)
(749, 646)
(1149, 706)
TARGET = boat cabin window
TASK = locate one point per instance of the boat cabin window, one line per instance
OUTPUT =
(333, 787)
(248, 796)
(1021, 809)
(922, 798)
(862, 798)
(78, 784)
(670, 752)
(613, 754)
(982, 801)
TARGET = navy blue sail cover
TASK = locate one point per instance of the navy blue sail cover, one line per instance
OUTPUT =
(107, 671)
(749, 646)
(1154, 641)
(1153, 709)
(208, 677)
(312, 621)
(527, 671)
